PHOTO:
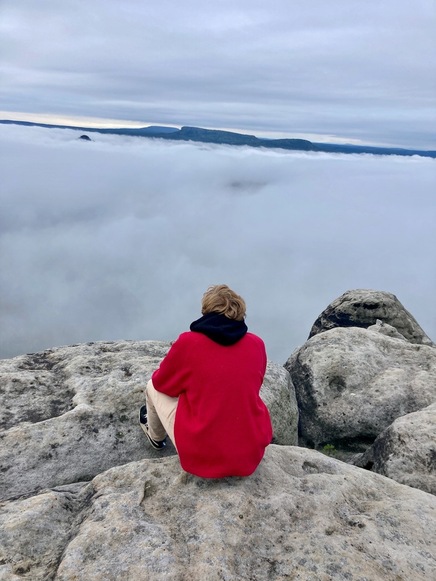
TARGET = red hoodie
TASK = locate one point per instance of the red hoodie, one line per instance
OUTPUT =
(222, 427)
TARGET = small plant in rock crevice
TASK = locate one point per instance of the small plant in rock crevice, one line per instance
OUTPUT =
(329, 450)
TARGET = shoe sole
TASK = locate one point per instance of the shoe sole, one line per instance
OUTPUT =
(156, 445)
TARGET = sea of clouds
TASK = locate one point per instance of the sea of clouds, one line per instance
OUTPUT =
(119, 237)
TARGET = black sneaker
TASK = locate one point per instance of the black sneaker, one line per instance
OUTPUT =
(157, 444)
(143, 415)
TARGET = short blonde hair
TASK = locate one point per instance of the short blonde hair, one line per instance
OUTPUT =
(221, 299)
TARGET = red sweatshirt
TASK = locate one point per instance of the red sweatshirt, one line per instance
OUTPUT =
(222, 427)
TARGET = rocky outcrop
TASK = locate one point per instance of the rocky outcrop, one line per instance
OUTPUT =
(352, 383)
(362, 308)
(85, 498)
(361, 380)
(406, 450)
(301, 515)
(70, 413)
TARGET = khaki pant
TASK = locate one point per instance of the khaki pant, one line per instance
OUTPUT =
(161, 413)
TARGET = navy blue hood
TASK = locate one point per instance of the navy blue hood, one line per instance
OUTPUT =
(220, 328)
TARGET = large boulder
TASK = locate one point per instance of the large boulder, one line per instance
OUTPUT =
(406, 450)
(69, 413)
(301, 515)
(362, 308)
(352, 383)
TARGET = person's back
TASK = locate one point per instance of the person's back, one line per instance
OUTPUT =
(207, 388)
(222, 426)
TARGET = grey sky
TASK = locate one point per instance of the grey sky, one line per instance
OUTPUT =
(119, 238)
(343, 69)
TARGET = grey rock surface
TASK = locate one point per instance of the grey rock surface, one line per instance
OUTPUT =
(352, 383)
(301, 515)
(406, 450)
(362, 308)
(278, 393)
(69, 413)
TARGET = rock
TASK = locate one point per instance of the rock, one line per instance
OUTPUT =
(85, 138)
(353, 383)
(362, 308)
(387, 330)
(70, 413)
(406, 450)
(301, 515)
(278, 393)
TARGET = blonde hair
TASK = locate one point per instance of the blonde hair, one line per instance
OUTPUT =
(221, 299)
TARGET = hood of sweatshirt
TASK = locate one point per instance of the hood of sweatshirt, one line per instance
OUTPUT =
(220, 328)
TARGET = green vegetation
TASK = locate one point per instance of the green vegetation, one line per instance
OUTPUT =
(329, 450)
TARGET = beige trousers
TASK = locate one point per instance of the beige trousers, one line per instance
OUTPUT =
(161, 413)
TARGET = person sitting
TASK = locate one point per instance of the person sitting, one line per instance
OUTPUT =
(205, 393)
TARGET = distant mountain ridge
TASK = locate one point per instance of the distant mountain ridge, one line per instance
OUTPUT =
(198, 134)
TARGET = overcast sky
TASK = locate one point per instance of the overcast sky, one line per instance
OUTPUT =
(345, 70)
(118, 238)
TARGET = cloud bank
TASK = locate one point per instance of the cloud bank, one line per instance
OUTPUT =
(118, 238)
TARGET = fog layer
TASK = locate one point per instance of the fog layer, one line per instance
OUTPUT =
(118, 238)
